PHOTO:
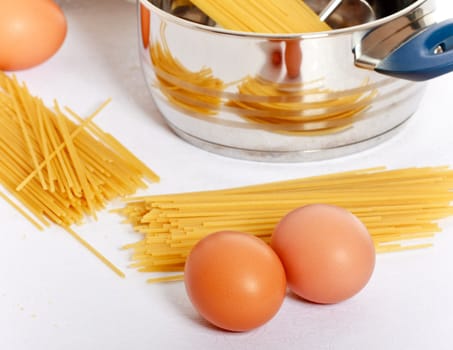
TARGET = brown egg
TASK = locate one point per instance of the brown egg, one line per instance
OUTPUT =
(327, 252)
(235, 280)
(30, 32)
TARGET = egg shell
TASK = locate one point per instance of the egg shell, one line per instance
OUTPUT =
(234, 280)
(327, 252)
(30, 32)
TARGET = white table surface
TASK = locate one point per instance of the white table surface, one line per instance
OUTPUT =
(55, 295)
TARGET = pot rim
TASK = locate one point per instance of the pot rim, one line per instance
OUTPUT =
(292, 36)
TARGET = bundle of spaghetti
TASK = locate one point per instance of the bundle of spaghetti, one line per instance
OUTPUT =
(196, 91)
(401, 209)
(263, 16)
(294, 109)
(60, 170)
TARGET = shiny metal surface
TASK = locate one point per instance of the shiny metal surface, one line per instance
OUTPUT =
(377, 43)
(329, 9)
(321, 104)
(350, 12)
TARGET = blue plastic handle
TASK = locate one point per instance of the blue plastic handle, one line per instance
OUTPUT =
(417, 58)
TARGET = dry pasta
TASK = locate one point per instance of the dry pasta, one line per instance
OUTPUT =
(400, 208)
(263, 16)
(60, 170)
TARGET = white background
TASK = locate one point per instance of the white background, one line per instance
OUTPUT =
(55, 295)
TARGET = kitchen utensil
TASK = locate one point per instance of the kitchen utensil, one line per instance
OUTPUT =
(256, 111)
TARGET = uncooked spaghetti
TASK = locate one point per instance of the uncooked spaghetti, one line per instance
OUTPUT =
(263, 16)
(60, 170)
(400, 208)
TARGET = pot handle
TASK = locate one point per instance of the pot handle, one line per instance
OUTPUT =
(425, 56)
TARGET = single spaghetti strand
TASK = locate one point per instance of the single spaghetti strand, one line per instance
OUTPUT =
(21, 211)
(172, 278)
(107, 262)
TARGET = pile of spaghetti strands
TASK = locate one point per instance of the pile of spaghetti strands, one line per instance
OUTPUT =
(400, 208)
(263, 16)
(60, 169)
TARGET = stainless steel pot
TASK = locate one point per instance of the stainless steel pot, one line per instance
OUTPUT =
(286, 98)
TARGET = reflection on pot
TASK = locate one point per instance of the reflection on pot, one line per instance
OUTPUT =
(292, 107)
(304, 109)
(195, 91)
